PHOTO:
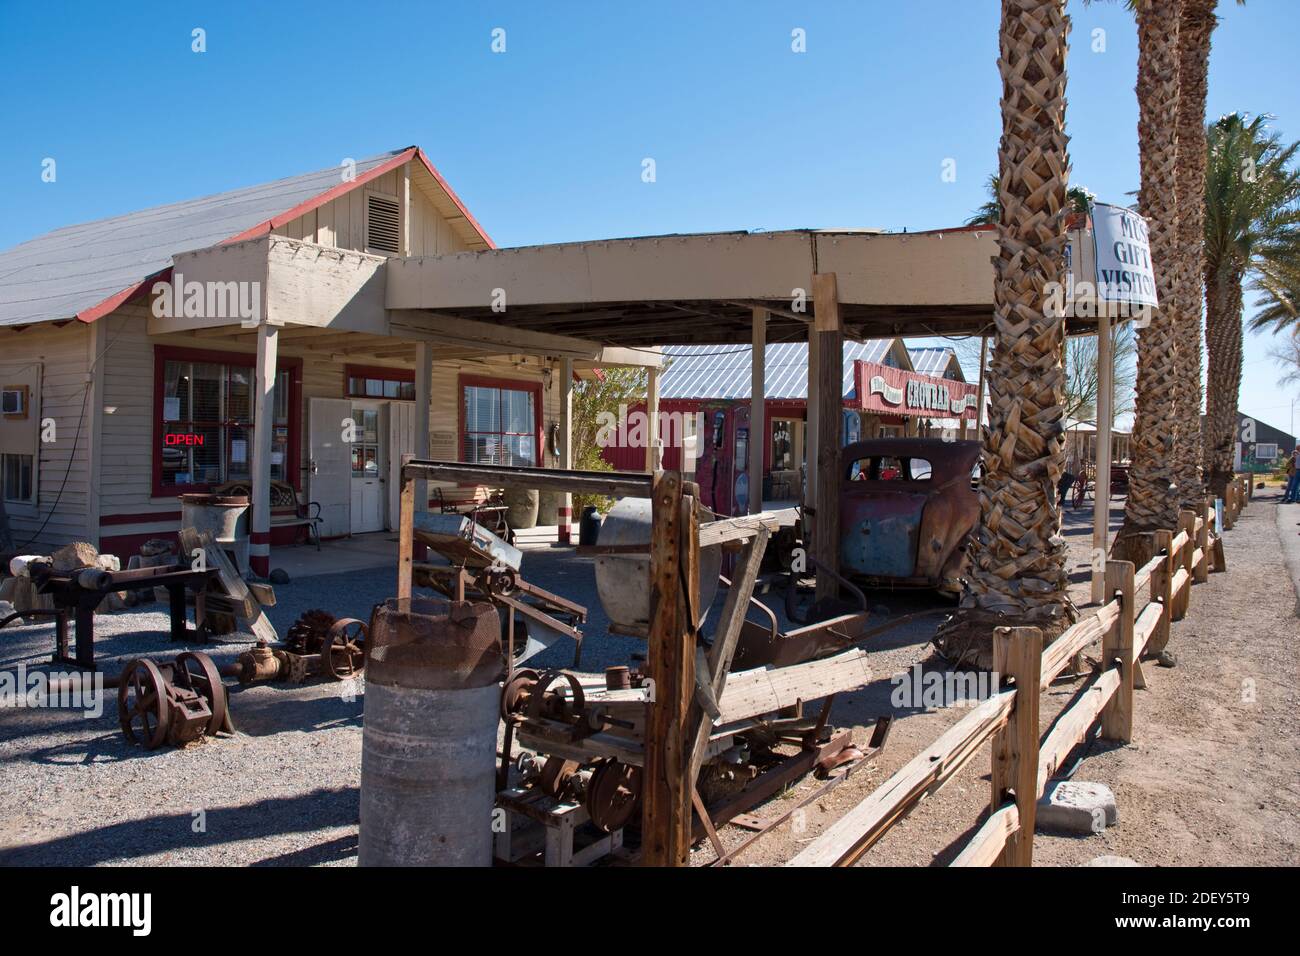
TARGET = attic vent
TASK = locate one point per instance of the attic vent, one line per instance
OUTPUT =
(381, 225)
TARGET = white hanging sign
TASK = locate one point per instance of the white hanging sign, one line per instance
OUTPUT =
(1124, 270)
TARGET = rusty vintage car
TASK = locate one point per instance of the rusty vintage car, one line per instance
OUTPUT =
(907, 507)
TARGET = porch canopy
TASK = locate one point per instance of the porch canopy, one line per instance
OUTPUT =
(729, 288)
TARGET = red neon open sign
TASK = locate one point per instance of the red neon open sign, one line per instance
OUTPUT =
(180, 439)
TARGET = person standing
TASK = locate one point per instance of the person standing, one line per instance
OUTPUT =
(1292, 478)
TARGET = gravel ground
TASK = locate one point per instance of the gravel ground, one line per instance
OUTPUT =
(1208, 780)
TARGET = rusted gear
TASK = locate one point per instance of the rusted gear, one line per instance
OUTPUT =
(613, 794)
(519, 688)
(309, 632)
(542, 702)
(195, 671)
(343, 652)
(142, 704)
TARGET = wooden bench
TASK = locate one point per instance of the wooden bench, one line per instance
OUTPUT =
(289, 509)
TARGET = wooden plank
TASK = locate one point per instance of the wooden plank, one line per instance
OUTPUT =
(615, 484)
(1118, 650)
(1147, 623)
(988, 842)
(1161, 593)
(406, 533)
(764, 689)
(1071, 724)
(844, 842)
(725, 639)
(666, 805)
(1018, 654)
(1083, 633)
(745, 527)
(827, 392)
(232, 583)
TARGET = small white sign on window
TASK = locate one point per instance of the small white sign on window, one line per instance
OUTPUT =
(238, 451)
(171, 408)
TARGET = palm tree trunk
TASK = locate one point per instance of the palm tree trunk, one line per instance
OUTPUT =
(1194, 29)
(1018, 556)
(1223, 338)
(1151, 503)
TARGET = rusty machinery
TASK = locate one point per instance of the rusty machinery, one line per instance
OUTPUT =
(483, 567)
(317, 644)
(172, 702)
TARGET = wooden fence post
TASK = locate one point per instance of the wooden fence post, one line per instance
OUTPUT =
(1202, 567)
(1187, 522)
(1018, 653)
(1228, 490)
(1161, 583)
(1117, 646)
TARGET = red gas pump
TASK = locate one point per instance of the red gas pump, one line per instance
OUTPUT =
(723, 467)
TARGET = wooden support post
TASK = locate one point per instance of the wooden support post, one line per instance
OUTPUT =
(1161, 584)
(405, 534)
(1018, 654)
(1227, 506)
(653, 453)
(757, 410)
(979, 398)
(666, 806)
(827, 393)
(259, 540)
(1101, 488)
(1201, 569)
(565, 532)
(1187, 523)
(1117, 650)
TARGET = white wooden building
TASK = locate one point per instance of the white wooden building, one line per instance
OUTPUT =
(233, 339)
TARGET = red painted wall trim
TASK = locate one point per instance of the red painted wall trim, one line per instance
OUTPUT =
(515, 384)
(144, 517)
(334, 192)
(162, 353)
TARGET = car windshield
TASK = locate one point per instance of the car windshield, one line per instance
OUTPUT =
(889, 468)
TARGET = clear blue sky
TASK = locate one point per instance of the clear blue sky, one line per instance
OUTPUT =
(545, 141)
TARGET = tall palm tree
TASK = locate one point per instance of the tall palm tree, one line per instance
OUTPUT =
(1195, 26)
(990, 211)
(1151, 504)
(1252, 230)
(1017, 556)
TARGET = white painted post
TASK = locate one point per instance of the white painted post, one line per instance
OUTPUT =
(757, 410)
(259, 548)
(423, 389)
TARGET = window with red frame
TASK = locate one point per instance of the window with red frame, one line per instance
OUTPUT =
(500, 425)
(207, 424)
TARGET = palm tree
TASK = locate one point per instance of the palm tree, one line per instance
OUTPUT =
(990, 212)
(1195, 26)
(1151, 505)
(1252, 231)
(1017, 556)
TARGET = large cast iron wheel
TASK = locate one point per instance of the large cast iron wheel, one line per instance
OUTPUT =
(343, 650)
(142, 706)
(196, 671)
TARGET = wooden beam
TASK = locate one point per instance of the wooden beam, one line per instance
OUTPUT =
(757, 409)
(490, 335)
(406, 533)
(767, 689)
(653, 454)
(986, 846)
(423, 400)
(827, 393)
(666, 805)
(1018, 654)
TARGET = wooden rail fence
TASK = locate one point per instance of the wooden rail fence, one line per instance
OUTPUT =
(1134, 621)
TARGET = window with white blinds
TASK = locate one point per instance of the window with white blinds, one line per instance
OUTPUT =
(500, 426)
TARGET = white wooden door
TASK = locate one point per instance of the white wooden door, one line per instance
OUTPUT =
(367, 466)
(401, 441)
(330, 468)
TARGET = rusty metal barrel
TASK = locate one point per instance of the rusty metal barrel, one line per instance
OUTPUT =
(429, 739)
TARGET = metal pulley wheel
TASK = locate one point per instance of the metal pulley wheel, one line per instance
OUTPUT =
(343, 651)
(518, 689)
(142, 705)
(613, 794)
(196, 671)
(542, 702)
